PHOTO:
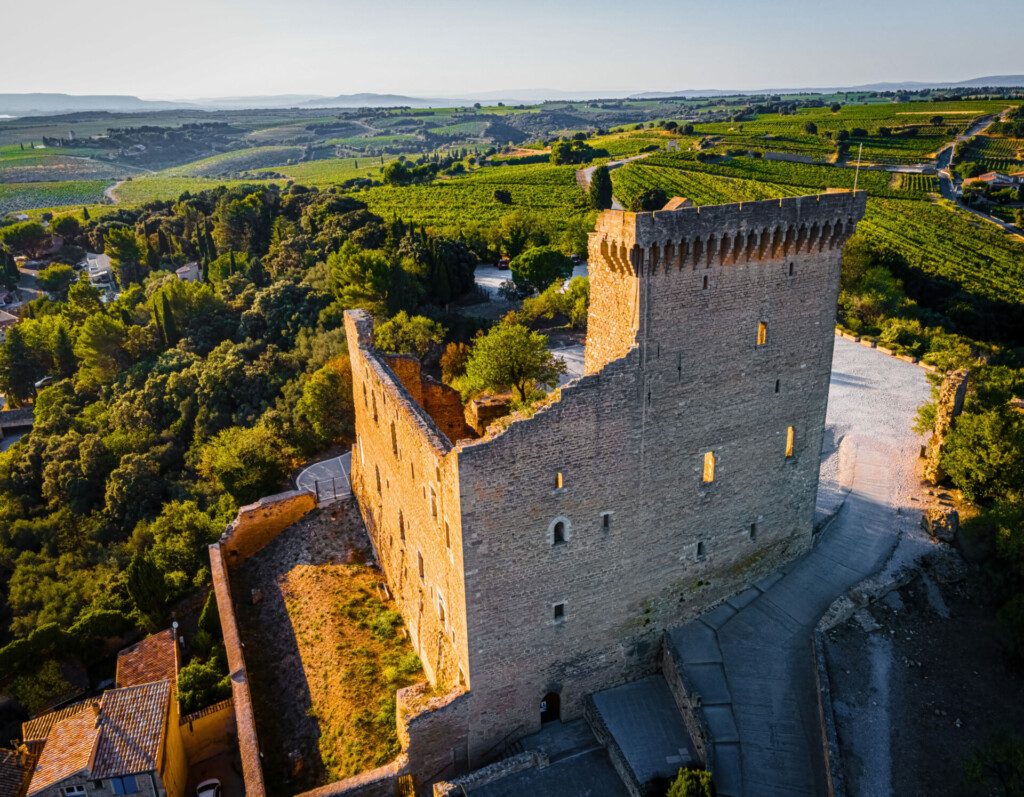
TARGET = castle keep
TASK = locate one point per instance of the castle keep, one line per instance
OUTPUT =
(542, 561)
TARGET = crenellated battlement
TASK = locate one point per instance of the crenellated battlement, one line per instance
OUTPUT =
(722, 234)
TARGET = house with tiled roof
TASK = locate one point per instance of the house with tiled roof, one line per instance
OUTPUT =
(128, 741)
(16, 771)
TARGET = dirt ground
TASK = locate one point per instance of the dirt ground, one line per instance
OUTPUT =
(324, 650)
(919, 678)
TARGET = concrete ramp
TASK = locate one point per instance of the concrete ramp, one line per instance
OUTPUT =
(643, 730)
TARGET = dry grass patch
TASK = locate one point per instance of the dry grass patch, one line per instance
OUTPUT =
(355, 654)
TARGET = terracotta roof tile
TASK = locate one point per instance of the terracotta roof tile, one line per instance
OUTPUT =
(155, 658)
(15, 771)
(70, 748)
(133, 720)
(38, 728)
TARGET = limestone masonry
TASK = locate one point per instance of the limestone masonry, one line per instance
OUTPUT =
(542, 561)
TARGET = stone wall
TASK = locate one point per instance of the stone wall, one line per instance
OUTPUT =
(406, 481)
(689, 706)
(209, 731)
(241, 698)
(710, 333)
(441, 402)
(948, 406)
(259, 523)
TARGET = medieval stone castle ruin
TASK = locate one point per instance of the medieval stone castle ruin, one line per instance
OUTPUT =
(543, 560)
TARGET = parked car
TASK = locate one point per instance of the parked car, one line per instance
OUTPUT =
(502, 264)
(209, 788)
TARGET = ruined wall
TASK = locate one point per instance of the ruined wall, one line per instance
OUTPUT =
(442, 403)
(257, 524)
(406, 482)
(647, 542)
(948, 406)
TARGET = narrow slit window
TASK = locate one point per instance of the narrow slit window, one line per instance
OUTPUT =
(559, 480)
(419, 564)
(377, 473)
(447, 535)
(709, 467)
(375, 408)
(366, 399)
(433, 502)
(791, 269)
(701, 550)
(394, 439)
(778, 384)
(753, 531)
(559, 611)
(558, 533)
(401, 525)
(762, 333)
(606, 521)
(790, 435)
(705, 282)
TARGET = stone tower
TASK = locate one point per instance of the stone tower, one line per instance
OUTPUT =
(544, 560)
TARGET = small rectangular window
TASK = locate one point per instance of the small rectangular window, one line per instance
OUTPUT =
(709, 466)
(401, 525)
(70, 790)
(433, 501)
(377, 471)
(791, 269)
(701, 550)
(762, 333)
(447, 536)
(790, 434)
(559, 611)
(559, 481)
(606, 520)
(753, 531)
(705, 285)
(419, 564)
(778, 384)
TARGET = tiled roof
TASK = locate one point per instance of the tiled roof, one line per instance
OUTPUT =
(70, 749)
(15, 771)
(37, 729)
(120, 734)
(155, 658)
(133, 720)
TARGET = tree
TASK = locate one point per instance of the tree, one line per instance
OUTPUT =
(134, 489)
(649, 200)
(563, 152)
(67, 227)
(56, 279)
(936, 120)
(126, 252)
(325, 407)
(503, 195)
(360, 277)
(168, 329)
(811, 129)
(535, 269)
(19, 368)
(101, 347)
(9, 275)
(202, 683)
(692, 783)
(511, 356)
(983, 455)
(405, 334)
(247, 463)
(453, 361)
(600, 190)
(27, 238)
(64, 353)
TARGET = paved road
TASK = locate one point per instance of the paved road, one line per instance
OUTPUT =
(583, 175)
(328, 479)
(751, 656)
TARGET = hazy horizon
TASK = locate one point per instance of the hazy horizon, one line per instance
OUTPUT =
(232, 48)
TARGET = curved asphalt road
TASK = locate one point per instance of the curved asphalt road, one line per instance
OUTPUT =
(750, 658)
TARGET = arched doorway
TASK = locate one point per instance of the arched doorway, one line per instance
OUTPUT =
(550, 708)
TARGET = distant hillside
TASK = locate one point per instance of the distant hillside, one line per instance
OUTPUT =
(47, 104)
(991, 81)
(366, 100)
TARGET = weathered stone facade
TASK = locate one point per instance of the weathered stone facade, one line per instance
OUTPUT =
(548, 557)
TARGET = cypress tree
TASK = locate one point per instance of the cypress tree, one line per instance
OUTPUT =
(600, 191)
(17, 368)
(85, 214)
(162, 246)
(64, 353)
(8, 269)
(231, 262)
(167, 326)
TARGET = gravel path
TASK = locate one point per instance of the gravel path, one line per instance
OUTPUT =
(757, 645)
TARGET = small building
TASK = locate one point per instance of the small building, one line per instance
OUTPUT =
(7, 320)
(997, 180)
(99, 269)
(190, 272)
(127, 741)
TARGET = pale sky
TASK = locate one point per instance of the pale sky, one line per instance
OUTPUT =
(180, 49)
